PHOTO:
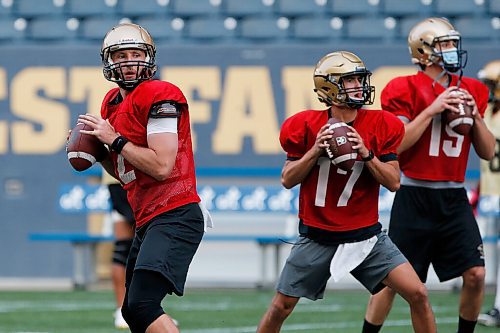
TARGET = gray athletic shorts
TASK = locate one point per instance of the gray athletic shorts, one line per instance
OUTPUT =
(307, 269)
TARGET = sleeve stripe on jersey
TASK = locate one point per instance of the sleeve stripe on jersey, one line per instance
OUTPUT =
(164, 109)
(388, 157)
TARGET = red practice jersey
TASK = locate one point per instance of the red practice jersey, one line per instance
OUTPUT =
(330, 198)
(440, 154)
(147, 196)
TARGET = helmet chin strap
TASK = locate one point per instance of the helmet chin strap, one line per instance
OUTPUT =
(445, 72)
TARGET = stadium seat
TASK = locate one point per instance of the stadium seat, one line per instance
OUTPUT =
(367, 28)
(8, 32)
(34, 8)
(314, 29)
(294, 8)
(49, 29)
(81, 9)
(160, 28)
(451, 8)
(406, 24)
(5, 10)
(238, 8)
(134, 8)
(189, 8)
(398, 8)
(94, 29)
(261, 29)
(494, 7)
(475, 28)
(351, 8)
(207, 29)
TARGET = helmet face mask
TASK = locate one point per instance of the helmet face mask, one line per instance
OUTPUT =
(331, 74)
(128, 36)
(425, 42)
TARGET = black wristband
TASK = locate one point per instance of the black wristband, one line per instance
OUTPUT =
(118, 144)
(369, 157)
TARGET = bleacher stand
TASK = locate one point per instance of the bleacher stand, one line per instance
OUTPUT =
(454, 8)
(243, 21)
(90, 8)
(136, 9)
(298, 8)
(239, 9)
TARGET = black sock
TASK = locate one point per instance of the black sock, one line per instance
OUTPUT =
(466, 326)
(370, 328)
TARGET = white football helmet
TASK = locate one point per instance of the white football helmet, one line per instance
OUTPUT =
(128, 36)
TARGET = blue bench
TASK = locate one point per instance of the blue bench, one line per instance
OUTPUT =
(84, 252)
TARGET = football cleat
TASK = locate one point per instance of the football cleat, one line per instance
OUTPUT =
(490, 318)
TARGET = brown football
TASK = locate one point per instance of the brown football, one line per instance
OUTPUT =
(340, 149)
(462, 122)
(83, 149)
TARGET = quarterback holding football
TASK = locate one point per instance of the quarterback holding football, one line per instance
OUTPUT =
(338, 206)
(431, 219)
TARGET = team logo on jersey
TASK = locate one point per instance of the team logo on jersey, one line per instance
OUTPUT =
(341, 140)
(164, 109)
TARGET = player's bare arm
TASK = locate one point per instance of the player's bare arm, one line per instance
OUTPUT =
(415, 128)
(157, 160)
(482, 138)
(386, 173)
(294, 172)
(107, 164)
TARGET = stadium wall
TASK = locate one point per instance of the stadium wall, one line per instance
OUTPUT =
(238, 95)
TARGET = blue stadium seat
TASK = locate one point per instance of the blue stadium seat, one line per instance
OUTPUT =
(260, 29)
(160, 28)
(34, 8)
(5, 10)
(94, 29)
(406, 24)
(475, 28)
(8, 32)
(452, 8)
(294, 8)
(243, 8)
(189, 8)
(398, 8)
(207, 29)
(81, 9)
(368, 28)
(494, 7)
(49, 29)
(135, 8)
(314, 29)
(351, 8)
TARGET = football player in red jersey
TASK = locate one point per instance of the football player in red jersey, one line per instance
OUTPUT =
(145, 122)
(338, 210)
(431, 218)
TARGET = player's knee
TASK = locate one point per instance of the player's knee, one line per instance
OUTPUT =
(282, 306)
(419, 296)
(141, 312)
(474, 278)
(121, 250)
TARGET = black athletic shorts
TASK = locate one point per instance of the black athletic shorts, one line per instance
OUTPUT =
(167, 244)
(119, 202)
(436, 226)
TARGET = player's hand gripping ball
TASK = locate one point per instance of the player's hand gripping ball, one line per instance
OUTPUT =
(461, 122)
(339, 148)
(83, 149)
